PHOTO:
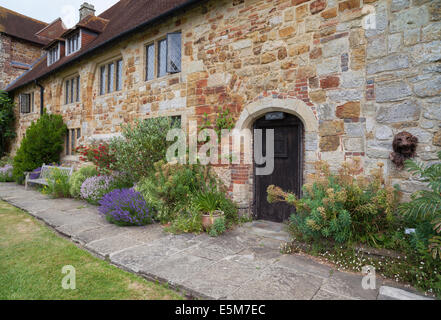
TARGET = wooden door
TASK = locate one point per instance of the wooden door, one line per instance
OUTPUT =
(288, 168)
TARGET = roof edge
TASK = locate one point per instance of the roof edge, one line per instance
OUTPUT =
(107, 42)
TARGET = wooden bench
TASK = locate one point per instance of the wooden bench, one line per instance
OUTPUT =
(45, 174)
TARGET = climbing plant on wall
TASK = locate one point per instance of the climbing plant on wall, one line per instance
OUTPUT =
(7, 118)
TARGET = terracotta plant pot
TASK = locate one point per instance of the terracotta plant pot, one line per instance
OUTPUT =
(209, 219)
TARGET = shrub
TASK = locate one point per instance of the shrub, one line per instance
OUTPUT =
(58, 184)
(7, 119)
(125, 208)
(6, 160)
(218, 228)
(142, 145)
(426, 204)
(189, 221)
(77, 179)
(6, 173)
(43, 143)
(343, 207)
(93, 189)
(171, 189)
(100, 155)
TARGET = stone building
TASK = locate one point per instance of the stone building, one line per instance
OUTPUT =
(338, 79)
(20, 45)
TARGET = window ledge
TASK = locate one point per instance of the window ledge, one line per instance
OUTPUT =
(165, 77)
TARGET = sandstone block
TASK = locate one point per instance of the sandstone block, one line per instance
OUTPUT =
(349, 110)
(287, 32)
(348, 5)
(330, 82)
(331, 128)
(329, 143)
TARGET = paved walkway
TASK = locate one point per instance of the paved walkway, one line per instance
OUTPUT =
(242, 264)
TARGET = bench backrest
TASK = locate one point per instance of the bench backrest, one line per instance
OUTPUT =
(47, 170)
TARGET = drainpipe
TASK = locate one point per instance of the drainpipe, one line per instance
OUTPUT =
(41, 97)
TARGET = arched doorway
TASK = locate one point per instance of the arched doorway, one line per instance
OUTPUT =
(288, 164)
(245, 194)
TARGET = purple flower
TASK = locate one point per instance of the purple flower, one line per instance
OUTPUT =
(125, 207)
(35, 174)
(6, 173)
(94, 188)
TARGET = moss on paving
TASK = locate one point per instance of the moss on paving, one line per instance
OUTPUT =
(32, 257)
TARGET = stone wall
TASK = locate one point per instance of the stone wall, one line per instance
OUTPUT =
(14, 52)
(355, 72)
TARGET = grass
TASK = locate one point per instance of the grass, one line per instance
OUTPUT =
(32, 257)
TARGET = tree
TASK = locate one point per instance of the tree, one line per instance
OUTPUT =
(42, 144)
(7, 119)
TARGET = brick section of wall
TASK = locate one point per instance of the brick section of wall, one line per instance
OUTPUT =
(18, 51)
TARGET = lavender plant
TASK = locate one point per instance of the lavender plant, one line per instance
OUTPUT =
(93, 189)
(125, 207)
(6, 173)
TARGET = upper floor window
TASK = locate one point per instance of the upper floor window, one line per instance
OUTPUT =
(111, 77)
(72, 90)
(164, 56)
(27, 102)
(73, 43)
(53, 55)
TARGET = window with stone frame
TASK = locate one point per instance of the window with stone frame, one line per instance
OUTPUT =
(71, 140)
(72, 90)
(111, 77)
(26, 102)
(73, 43)
(164, 56)
(53, 54)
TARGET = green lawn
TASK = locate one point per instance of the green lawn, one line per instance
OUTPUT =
(32, 257)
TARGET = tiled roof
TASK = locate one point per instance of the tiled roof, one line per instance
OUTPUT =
(124, 17)
(20, 26)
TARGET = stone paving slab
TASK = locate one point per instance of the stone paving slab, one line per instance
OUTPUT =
(245, 263)
(276, 283)
(105, 247)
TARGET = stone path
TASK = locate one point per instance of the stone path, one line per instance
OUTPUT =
(242, 264)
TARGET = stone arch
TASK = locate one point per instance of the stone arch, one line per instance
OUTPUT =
(244, 193)
(293, 106)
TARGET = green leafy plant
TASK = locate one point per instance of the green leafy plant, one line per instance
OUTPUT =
(78, 177)
(6, 160)
(187, 222)
(58, 184)
(172, 187)
(141, 146)
(223, 121)
(208, 202)
(42, 143)
(218, 228)
(343, 207)
(7, 119)
(426, 204)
